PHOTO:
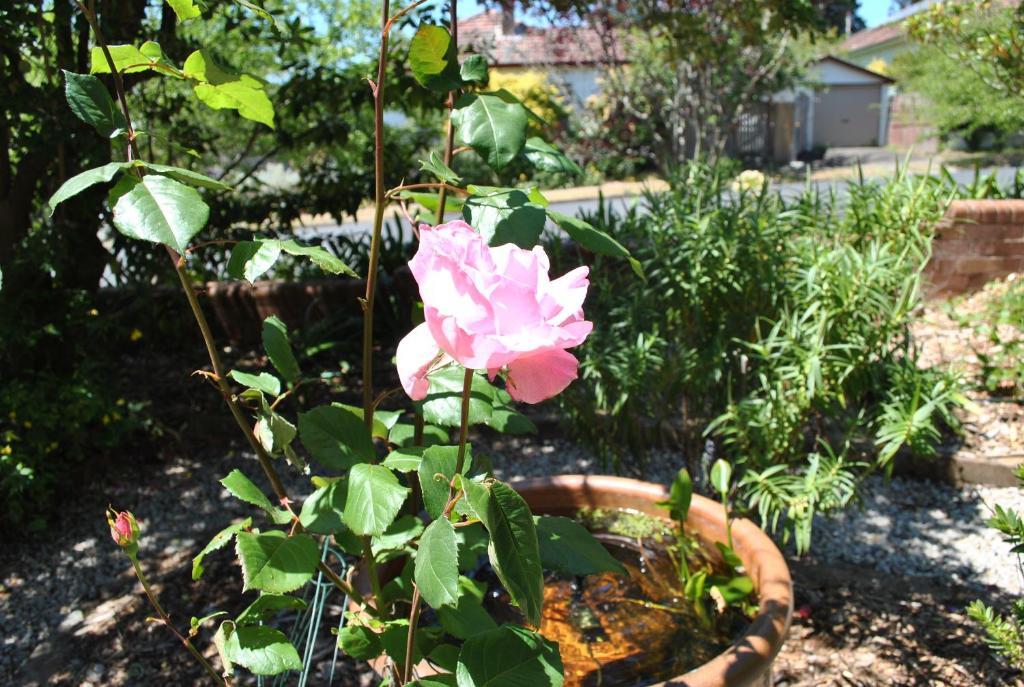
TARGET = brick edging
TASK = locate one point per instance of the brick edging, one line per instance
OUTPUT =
(987, 211)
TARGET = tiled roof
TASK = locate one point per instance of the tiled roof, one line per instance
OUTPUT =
(529, 45)
(869, 37)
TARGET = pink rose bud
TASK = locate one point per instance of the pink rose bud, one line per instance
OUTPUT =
(124, 529)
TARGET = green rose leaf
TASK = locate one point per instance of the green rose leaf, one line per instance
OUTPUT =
(549, 158)
(468, 617)
(509, 656)
(361, 643)
(492, 127)
(90, 177)
(436, 166)
(264, 381)
(274, 562)
(322, 510)
(266, 607)
(251, 259)
(511, 421)
(89, 100)
(128, 59)
(433, 59)
(220, 89)
(437, 564)
(435, 680)
(318, 255)
(404, 459)
(568, 547)
(443, 402)
(161, 210)
(594, 239)
(186, 176)
(279, 349)
(185, 9)
(242, 488)
(506, 216)
(219, 541)
(273, 431)
(514, 551)
(435, 474)
(398, 535)
(403, 434)
(373, 500)
(336, 437)
(260, 649)
(474, 69)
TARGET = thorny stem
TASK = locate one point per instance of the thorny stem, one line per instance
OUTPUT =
(166, 620)
(378, 215)
(453, 498)
(449, 142)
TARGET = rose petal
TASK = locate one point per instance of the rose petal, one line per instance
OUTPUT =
(416, 354)
(541, 376)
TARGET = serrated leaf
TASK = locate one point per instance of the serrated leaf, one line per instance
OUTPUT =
(161, 210)
(261, 650)
(318, 255)
(404, 459)
(359, 642)
(336, 437)
(509, 656)
(468, 617)
(266, 607)
(398, 536)
(548, 158)
(274, 432)
(279, 349)
(127, 58)
(511, 421)
(264, 381)
(186, 176)
(492, 127)
(221, 88)
(322, 510)
(443, 403)
(513, 550)
(89, 99)
(219, 541)
(243, 488)
(594, 239)
(403, 435)
(274, 562)
(435, 475)
(474, 69)
(251, 259)
(567, 547)
(506, 216)
(433, 59)
(90, 177)
(185, 9)
(436, 166)
(373, 500)
(437, 564)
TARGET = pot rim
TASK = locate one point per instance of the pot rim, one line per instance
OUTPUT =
(749, 658)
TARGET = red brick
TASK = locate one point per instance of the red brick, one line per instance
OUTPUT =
(994, 265)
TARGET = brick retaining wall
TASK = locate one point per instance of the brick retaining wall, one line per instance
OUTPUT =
(977, 241)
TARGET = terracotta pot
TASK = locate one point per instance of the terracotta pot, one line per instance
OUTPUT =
(748, 661)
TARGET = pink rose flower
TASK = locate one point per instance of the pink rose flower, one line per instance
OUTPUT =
(493, 309)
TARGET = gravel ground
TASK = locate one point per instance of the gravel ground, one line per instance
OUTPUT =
(899, 571)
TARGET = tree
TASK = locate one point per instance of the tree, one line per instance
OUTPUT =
(977, 46)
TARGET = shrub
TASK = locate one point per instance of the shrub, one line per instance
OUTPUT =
(777, 330)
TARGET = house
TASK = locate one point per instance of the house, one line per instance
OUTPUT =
(572, 58)
(841, 103)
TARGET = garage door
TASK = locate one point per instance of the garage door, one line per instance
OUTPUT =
(847, 116)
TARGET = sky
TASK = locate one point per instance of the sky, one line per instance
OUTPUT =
(874, 12)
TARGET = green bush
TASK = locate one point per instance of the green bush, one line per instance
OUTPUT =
(778, 330)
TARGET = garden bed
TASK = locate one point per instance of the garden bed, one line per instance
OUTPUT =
(72, 614)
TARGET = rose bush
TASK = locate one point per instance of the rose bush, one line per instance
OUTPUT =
(493, 309)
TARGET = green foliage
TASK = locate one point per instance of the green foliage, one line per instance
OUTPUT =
(437, 564)
(567, 547)
(274, 562)
(494, 128)
(262, 650)
(777, 329)
(509, 656)
(374, 499)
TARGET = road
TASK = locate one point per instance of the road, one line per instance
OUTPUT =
(618, 203)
